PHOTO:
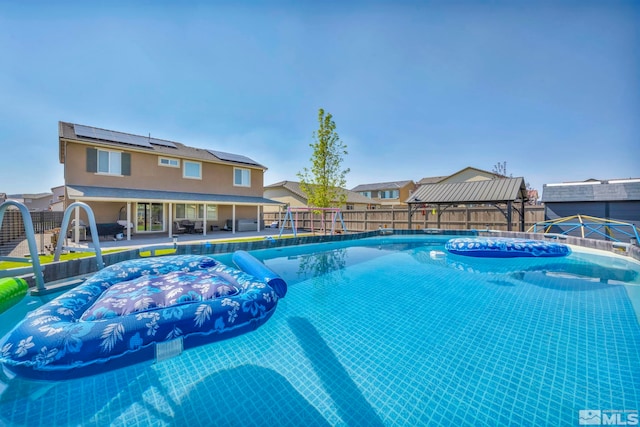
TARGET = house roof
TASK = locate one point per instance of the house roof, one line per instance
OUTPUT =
(382, 186)
(108, 138)
(592, 191)
(486, 191)
(437, 179)
(89, 193)
(497, 175)
(295, 188)
(431, 180)
(34, 195)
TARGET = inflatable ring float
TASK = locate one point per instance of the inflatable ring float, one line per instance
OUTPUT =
(141, 310)
(12, 290)
(505, 248)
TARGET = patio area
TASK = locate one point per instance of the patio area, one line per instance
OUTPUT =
(145, 240)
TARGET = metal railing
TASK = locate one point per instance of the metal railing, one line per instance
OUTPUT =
(589, 227)
(75, 208)
(34, 256)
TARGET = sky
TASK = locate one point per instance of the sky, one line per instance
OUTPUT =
(416, 88)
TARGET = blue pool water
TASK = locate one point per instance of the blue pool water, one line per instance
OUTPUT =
(386, 331)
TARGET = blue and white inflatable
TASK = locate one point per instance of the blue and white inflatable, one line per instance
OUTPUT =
(505, 247)
(141, 310)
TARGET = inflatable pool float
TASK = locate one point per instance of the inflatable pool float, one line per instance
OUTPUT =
(505, 248)
(141, 310)
(12, 290)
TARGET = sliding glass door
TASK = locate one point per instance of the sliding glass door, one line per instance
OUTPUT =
(150, 217)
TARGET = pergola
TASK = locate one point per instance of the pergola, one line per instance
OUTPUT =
(496, 192)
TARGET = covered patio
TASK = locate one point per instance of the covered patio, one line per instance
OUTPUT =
(152, 213)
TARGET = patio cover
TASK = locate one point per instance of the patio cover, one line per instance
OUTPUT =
(496, 192)
(88, 193)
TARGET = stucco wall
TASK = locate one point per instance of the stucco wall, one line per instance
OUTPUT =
(146, 173)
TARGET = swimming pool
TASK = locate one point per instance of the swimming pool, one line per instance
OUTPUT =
(387, 331)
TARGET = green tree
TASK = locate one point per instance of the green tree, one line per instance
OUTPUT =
(323, 183)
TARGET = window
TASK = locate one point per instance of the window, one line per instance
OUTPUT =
(192, 170)
(241, 177)
(390, 194)
(165, 161)
(191, 211)
(109, 162)
(366, 193)
(350, 207)
(212, 212)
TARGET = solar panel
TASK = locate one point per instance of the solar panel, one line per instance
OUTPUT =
(86, 131)
(137, 140)
(162, 142)
(125, 138)
(233, 157)
(108, 135)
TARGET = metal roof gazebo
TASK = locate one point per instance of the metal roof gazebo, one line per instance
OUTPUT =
(497, 192)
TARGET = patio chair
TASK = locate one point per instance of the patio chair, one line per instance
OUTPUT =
(188, 225)
(178, 228)
(197, 226)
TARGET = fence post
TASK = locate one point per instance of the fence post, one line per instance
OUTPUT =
(467, 218)
(393, 217)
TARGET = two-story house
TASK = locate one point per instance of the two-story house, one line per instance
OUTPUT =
(152, 185)
(387, 193)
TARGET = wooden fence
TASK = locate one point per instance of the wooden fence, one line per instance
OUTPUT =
(459, 218)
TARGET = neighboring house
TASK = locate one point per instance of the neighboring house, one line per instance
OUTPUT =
(33, 202)
(291, 194)
(152, 185)
(387, 193)
(57, 201)
(467, 174)
(616, 199)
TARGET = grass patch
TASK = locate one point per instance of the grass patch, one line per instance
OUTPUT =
(159, 252)
(47, 259)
